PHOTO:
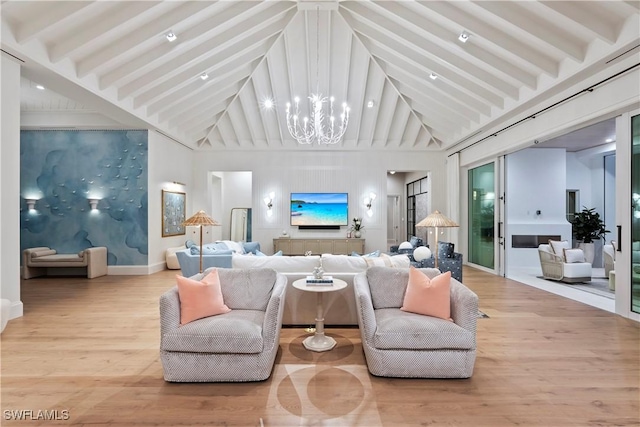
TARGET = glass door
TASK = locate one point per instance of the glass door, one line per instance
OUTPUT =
(482, 197)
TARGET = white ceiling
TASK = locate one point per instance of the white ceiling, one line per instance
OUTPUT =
(595, 135)
(518, 53)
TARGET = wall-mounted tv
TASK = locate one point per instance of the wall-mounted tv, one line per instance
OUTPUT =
(319, 210)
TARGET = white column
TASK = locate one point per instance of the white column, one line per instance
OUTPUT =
(9, 184)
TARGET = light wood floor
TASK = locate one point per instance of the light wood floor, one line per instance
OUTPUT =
(90, 347)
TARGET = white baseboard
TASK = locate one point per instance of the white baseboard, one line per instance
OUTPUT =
(16, 310)
(159, 266)
(135, 270)
(127, 270)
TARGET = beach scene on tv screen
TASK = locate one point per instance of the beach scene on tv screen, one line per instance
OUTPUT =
(319, 209)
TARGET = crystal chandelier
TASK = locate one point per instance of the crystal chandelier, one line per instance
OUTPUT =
(320, 125)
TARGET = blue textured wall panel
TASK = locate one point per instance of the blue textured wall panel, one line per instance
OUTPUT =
(63, 169)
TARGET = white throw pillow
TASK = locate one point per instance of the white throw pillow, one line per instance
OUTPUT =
(558, 246)
(400, 261)
(573, 255)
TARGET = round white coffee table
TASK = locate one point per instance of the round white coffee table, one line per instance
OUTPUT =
(319, 341)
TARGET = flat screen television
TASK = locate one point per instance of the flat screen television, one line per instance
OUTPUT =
(319, 210)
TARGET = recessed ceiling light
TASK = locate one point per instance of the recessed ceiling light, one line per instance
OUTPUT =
(268, 104)
(40, 87)
(371, 103)
(171, 36)
(433, 76)
(463, 37)
(204, 76)
(392, 172)
(609, 140)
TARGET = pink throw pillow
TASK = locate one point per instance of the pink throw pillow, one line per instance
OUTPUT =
(430, 297)
(200, 299)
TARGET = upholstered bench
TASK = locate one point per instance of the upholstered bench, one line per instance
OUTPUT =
(38, 261)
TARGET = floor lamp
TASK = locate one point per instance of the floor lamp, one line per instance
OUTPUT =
(200, 219)
(437, 220)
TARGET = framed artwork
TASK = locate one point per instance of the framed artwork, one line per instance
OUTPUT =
(174, 204)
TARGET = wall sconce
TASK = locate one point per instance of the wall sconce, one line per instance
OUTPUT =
(269, 202)
(368, 201)
(94, 204)
(31, 204)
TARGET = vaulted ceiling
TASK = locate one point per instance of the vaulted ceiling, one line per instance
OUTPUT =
(378, 56)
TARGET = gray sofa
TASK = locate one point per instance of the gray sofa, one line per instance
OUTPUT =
(402, 344)
(233, 347)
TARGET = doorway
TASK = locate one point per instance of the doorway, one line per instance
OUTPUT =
(393, 220)
(482, 198)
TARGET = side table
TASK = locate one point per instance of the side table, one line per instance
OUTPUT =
(319, 341)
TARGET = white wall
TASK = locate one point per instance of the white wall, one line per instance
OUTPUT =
(579, 178)
(536, 179)
(284, 172)
(168, 162)
(9, 184)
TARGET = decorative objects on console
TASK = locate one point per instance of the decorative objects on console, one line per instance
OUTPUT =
(437, 220)
(357, 227)
(200, 219)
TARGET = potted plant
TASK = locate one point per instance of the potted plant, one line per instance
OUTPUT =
(356, 227)
(588, 227)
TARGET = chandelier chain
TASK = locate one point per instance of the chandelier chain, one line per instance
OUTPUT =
(313, 129)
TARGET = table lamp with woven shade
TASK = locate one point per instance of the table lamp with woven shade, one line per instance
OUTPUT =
(200, 219)
(436, 220)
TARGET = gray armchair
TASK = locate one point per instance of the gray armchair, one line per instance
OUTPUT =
(397, 343)
(237, 346)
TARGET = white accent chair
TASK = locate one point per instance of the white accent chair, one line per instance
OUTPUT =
(554, 267)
